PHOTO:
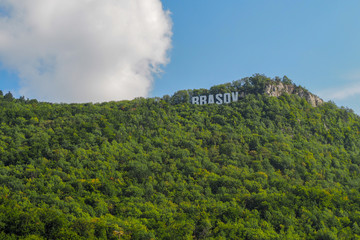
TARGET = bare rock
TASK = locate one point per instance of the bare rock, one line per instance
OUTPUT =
(276, 90)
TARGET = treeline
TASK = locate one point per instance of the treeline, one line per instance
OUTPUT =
(250, 85)
(10, 98)
(260, 168)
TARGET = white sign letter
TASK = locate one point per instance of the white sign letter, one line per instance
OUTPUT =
(227, 98)
(211, 99)
(202, 100)
(235, 96)
(218, 98)
(195, 100)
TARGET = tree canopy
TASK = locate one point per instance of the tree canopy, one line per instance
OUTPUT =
(260, 168)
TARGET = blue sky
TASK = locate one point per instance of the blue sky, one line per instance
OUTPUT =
(314, 43)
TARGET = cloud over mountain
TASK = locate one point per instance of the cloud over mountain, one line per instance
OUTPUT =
(84, 50)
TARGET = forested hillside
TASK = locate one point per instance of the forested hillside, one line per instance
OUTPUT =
(161, 168)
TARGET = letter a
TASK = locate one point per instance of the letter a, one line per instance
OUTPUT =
(211, 99)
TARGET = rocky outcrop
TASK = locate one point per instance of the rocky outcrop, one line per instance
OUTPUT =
(277, 89)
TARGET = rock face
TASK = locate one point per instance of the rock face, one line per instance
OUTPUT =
(278, 89)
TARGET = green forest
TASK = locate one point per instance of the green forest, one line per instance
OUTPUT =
(161, 168)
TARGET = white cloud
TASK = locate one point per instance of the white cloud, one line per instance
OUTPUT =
(350, 87)
(84, 50)
(341, 93)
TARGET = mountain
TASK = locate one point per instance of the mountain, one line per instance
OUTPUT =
(278, 163)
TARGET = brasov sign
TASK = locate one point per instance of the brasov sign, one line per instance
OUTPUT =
(219, 98)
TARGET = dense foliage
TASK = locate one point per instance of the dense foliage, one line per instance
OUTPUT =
(260, 168)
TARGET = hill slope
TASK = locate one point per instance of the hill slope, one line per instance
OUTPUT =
(260, 168)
